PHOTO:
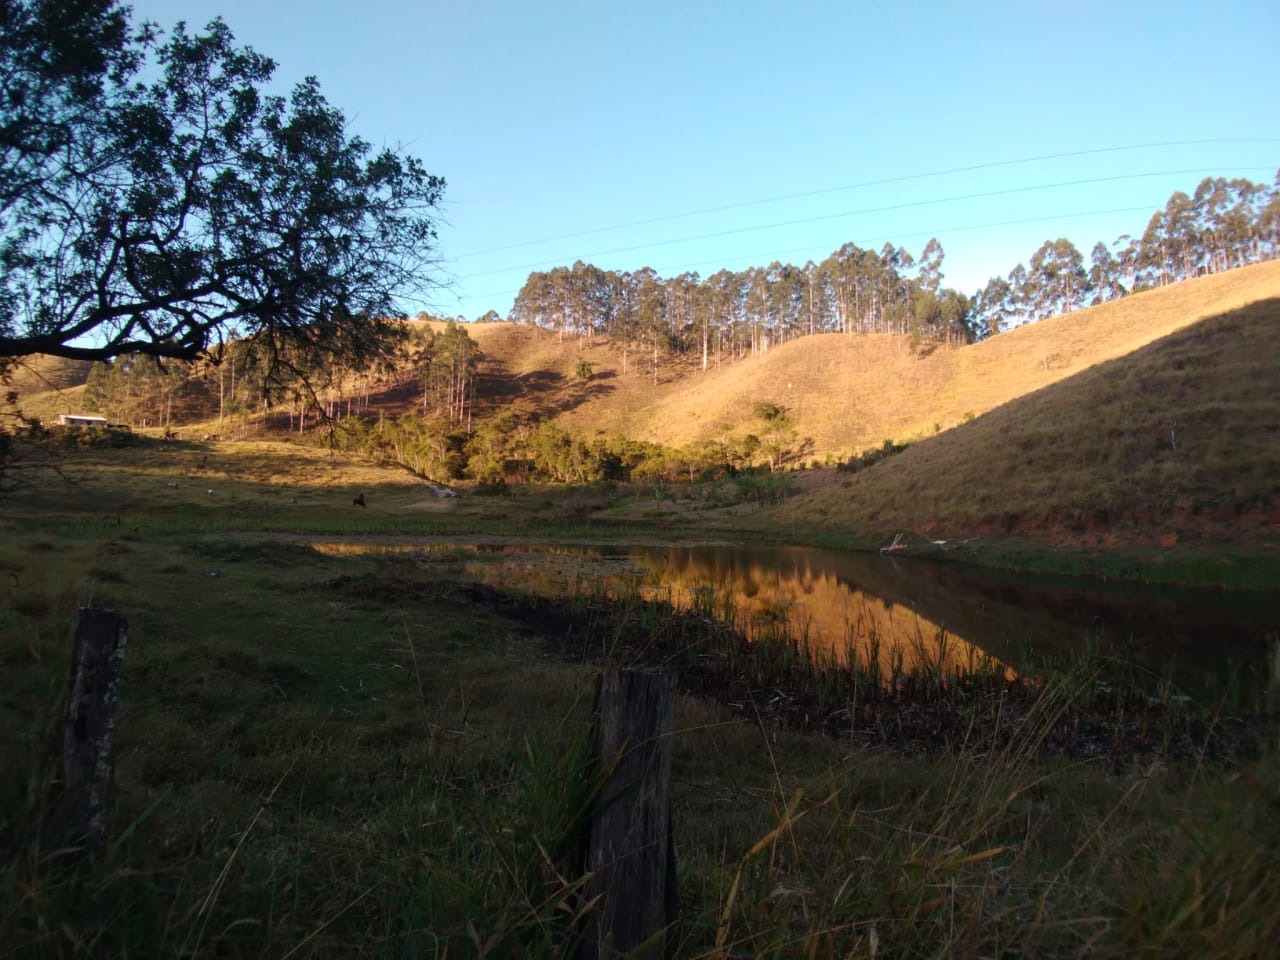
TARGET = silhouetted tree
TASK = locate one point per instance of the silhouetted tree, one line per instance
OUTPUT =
(152, 194)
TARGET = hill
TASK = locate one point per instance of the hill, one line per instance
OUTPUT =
(846, 393)
(1177, 440)
(843, 394)
(47, 386)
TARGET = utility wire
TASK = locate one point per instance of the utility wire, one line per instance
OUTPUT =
(848, 213)
(919, 233)
(971, 168)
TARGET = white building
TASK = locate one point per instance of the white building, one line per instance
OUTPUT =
(81, 420)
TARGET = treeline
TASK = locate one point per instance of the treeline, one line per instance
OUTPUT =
(248, 377)
(729, 314)
(1224, 224)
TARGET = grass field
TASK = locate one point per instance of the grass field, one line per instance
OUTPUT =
(349, 754)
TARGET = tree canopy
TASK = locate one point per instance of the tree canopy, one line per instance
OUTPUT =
(1222, 225)
(154, 198)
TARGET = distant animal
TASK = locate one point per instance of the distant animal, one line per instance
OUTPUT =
(359, 501)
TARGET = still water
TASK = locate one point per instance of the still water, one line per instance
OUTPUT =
(843, 604)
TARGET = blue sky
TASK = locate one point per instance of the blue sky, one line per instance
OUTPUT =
(744, 133)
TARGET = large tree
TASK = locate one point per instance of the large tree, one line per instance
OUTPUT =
(153, 195)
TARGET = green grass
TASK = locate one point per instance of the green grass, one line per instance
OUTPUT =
(350, 754)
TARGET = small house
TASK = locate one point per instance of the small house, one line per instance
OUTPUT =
(81, 420)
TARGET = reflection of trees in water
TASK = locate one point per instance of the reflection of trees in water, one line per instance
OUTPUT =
(834, 618)
(839, 602)
(897, 611)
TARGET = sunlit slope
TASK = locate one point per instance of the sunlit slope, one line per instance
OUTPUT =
(1180, 438)
(46, 386)
(843, 393)
(848, 393)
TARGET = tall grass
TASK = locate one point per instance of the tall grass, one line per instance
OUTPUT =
(312, 767)
(926, 692)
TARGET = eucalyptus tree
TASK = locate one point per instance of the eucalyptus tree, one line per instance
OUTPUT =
(1269, 221)
(1057, 277)
(1127, 250)
(1021, 294)
(991, 307)
(724, 308)
(929, 267)
(1104, 279)
(651, 325)
(1155, 260)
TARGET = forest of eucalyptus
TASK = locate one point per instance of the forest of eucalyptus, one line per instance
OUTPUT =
(1222, 225)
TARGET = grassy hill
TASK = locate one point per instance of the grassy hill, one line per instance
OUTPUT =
(1177, 440)
(47, 386)
(846, 393)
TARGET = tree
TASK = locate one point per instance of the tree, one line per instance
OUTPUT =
(449, 373)
(779, 435)
(1104, 279)
(152, 195)
(930, 265)
(992, 307)
(1058, 277)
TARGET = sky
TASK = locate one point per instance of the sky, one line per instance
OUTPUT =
(700, 136)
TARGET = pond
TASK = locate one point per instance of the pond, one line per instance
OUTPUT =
(923, 612)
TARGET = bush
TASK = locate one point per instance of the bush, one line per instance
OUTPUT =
(765, 487)
(871, 457)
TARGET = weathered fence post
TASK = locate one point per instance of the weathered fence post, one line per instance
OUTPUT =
(96, 657)
(630, 855)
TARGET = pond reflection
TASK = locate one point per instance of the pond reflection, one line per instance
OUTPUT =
(912, 613)
(909, 614)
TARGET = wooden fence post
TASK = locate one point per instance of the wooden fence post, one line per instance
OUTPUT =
(630, 855)
(96, 658)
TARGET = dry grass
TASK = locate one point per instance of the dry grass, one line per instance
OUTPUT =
(845, 393)
(849, 393)
(1178, 438)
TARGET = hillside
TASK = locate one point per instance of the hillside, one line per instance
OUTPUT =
(1178, 440)
(847, 393)
(843, 393)
(47, 386)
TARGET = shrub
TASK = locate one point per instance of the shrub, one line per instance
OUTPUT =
(870, 457)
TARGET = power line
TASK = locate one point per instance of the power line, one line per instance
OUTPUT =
(849, 213)
(918, 233)
(972, 168)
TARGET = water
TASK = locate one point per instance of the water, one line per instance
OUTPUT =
(918, 610)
